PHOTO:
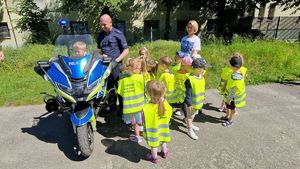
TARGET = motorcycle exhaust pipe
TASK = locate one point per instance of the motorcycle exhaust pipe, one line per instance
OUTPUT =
(51, 105)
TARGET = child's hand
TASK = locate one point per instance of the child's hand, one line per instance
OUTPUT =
(189, 109)
(228, 102)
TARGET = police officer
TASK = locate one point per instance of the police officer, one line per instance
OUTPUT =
(112, 43)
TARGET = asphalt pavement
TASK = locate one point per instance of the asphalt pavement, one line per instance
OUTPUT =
(265, 135)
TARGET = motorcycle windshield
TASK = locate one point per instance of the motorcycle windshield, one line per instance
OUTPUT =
(76, 51)
(74, 46)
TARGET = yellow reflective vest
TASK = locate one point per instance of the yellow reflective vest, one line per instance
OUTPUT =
(225, 75)
(198, 91)
(148, 77)
(156, 128)
(169, 81)
(132, 89)
(174, 67)
(180, 86)
(240, 93)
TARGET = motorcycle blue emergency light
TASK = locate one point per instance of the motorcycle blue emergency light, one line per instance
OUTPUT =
(63, 22)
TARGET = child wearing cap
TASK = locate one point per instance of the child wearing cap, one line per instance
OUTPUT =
(225, 75)
(235, 91)
(195, 94)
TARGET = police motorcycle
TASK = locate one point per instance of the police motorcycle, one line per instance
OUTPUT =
(79, 84)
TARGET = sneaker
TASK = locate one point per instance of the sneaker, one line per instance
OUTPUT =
(224, 118)
(227, 123)
(192, 134)
(195, 128)
(178, 113)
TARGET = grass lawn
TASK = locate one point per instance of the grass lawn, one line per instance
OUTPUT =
(267, 61)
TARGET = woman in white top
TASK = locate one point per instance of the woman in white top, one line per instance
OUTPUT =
(191, 44)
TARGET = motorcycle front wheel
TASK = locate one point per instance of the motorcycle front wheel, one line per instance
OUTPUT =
(85, 139)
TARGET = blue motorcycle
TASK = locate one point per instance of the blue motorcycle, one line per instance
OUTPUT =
(79, 77)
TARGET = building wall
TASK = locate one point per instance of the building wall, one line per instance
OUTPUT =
(278, 11)
(19, 37)
(136, 13)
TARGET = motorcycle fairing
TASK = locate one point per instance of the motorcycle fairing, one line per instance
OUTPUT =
(57, 75)
(76, 66)
(102, 92)
(96, 72)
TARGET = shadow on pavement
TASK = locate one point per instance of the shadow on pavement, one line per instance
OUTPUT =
(113, 126)
(207, 106)
(203, 118)
(129, 150)
(177, 122)
(52, 129)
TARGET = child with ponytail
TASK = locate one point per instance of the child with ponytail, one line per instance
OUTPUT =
(157, 114)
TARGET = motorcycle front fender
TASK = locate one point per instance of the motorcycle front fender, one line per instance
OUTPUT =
(82, 114)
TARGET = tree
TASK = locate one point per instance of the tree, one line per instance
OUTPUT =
(91, 9)
(170, 5)
(34, 20)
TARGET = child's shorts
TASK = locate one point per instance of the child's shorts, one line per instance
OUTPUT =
(230, 106)
(192, 113)
(133, 118)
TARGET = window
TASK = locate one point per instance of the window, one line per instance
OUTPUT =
(121, 26)
(79, 27)
(272, 11)
(261, 12)
(151, 26)
(4, 31)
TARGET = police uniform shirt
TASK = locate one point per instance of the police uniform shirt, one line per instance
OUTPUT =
(112, 43)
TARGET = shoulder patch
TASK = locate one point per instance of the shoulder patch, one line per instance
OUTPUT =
(118, 31)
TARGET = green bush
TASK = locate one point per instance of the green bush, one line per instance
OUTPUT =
(267, 61)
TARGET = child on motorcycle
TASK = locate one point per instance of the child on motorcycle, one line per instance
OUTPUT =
(80, 48)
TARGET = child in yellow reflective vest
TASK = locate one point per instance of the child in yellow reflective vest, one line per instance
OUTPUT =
(195, 94)
(235, 91)
(180, 77)
(151, 69)
(225, 75)
(164, 75)
(175, 66)
(132, 90)
(157, 114)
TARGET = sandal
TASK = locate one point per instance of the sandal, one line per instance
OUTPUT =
(227, 123)
(151, 159)
(164, 154)
(136, 139)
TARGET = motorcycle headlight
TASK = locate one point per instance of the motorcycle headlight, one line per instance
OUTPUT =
(64, 88)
